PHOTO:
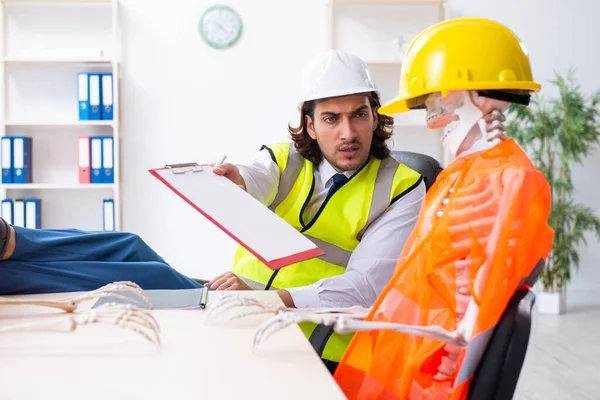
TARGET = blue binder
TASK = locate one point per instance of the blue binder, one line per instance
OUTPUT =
(95, 97)
(108, 215)
(22, 156)
(6, 159)
(107, 96)
(96, 159)
(33, 213)
(108, 159)
(6, 210)
(83, 96)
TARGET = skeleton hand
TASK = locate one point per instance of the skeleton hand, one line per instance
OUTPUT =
(70, 304)
(123, 315)
(325, 316)
(228, 302)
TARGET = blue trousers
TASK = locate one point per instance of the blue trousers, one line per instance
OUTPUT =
(68, 260)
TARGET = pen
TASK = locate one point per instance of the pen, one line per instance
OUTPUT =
(220, 161)
(204, 297)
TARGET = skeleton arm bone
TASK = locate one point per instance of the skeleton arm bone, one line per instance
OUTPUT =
(347, 321)
(70, 304)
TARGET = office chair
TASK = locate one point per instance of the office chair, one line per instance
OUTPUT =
(498, 371)
(425, 165)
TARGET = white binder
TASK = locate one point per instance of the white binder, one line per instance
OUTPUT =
(108, 215)
(19, 213)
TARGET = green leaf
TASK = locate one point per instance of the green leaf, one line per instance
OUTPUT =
(558, 133)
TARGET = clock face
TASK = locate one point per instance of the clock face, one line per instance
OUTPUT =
(220, 27)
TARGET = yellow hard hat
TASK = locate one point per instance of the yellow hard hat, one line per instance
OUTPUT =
(462, 54)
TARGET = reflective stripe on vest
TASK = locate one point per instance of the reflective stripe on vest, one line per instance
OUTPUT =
(333, 254)
(288, 177)
(382, 192)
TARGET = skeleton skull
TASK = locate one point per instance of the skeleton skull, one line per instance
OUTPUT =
(459, 113)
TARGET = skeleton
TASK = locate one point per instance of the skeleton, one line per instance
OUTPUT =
(459, 113)
(127, 316)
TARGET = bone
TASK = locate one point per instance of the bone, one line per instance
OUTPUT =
(125, 316)
(70, 304)
(348, 325)
(325, 316)
(233, 301)
(494, 125)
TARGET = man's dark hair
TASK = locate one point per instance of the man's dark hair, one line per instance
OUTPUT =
(309, 148)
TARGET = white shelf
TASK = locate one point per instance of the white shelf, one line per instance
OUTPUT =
(61, 123)
(57, 60)
(415, 125)
(385, 63)
(45, 43)
(388, 2)
(35, 2)
(58, 186)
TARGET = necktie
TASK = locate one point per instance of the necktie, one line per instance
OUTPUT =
(338, 180)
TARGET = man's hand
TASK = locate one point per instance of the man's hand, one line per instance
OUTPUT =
(286, 297)
(227, 281)
(231, 172)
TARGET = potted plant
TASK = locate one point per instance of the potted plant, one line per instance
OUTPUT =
(557, 134)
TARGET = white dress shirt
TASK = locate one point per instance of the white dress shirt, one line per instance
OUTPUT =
(373, 261)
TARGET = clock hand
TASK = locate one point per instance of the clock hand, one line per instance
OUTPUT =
(220, 26)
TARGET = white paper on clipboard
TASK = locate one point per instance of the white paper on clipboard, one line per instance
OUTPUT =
(262, 232)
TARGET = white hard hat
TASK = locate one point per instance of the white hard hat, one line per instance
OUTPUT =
(333, 74)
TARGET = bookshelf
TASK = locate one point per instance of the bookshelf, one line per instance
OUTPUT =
(56, 60)
(57, 186)
(44, 44)
(379, 31)
(59, 123)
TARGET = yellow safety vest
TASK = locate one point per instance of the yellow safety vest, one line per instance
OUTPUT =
(336, 228)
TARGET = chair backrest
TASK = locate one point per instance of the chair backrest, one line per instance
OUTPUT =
(498, 372)
(425, 165)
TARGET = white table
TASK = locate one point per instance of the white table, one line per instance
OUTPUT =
(195, 361)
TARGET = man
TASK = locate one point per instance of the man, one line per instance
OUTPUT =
(337, 184)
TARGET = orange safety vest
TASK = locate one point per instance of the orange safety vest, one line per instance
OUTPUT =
(496, 194)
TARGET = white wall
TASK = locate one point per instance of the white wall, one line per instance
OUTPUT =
(182, 101)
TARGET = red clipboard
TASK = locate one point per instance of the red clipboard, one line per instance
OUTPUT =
(262, 232)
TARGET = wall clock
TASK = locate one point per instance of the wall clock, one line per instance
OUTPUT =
(220, 26)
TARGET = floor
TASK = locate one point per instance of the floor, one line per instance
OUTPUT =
(563, 357)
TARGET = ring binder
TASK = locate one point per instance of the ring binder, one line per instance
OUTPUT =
(184, 168)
